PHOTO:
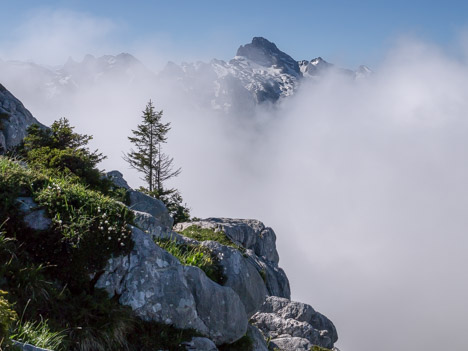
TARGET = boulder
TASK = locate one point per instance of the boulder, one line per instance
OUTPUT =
(281, 318)
(145, 203)
(152, 226)
(117, 178)
(275, 278)
(241, 276)
(158, 288)
(34, 217)
(288, 343)
(248, 233)
(258, 341)
(219, 307)
(260, 244)
(14, 120)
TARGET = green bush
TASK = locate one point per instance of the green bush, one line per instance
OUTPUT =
(64, 152)
(87, 226)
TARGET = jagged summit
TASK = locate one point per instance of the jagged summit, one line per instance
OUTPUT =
(266, 53)
(260, 73)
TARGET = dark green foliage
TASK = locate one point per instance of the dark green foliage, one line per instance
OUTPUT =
(64, 152)
(46, 273)
(148, 158)
(243, 344)
(87, 226)
(150, 336)
(195, 255)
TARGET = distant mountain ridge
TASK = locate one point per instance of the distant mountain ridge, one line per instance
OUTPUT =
(259, 73)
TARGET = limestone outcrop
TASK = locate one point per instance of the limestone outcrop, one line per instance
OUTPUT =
(259, 243)
(14, 120)
(294, 325)
(158, 288)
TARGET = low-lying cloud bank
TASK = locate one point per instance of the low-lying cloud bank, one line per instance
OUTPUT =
(365, 183)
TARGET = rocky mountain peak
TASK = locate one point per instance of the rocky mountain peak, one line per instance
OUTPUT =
(266, 53)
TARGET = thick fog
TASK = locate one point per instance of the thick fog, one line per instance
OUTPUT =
(365, 183)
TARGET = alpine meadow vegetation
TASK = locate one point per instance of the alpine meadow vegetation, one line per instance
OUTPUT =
(47, 275)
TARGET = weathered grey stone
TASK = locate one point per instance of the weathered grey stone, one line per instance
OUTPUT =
(248, 233)
(219, 307)
(153, 226)
(260, 244)
(28, 347)
(300, 312)
(258, 341)
(152, 283)
(158, 288)
(118, 179)
(14, 120)
(281, 318)
(200, 344)
(33, 217)
(276, 281)
(241, 276)
(144, 203)
(289, 343)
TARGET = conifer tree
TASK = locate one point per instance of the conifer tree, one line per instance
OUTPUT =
(148, 158)
(156, 166)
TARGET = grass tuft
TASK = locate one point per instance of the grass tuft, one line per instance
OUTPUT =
(197, 256)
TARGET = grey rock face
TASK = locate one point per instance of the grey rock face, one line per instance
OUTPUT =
(248, 233)
(153, 226)
(260, 244)
(276, 281)
(281, 318)
(33, 217)
(258, 341)
(144, 203)
(118, 179)
(219, 307)
(200, 344)
(241, 276)
(152, 283)
(288, 343)
(157, 287)
(14, 120)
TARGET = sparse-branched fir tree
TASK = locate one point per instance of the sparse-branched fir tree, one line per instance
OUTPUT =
(156, 166)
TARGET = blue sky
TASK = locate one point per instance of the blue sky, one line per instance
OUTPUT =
(347, 32)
